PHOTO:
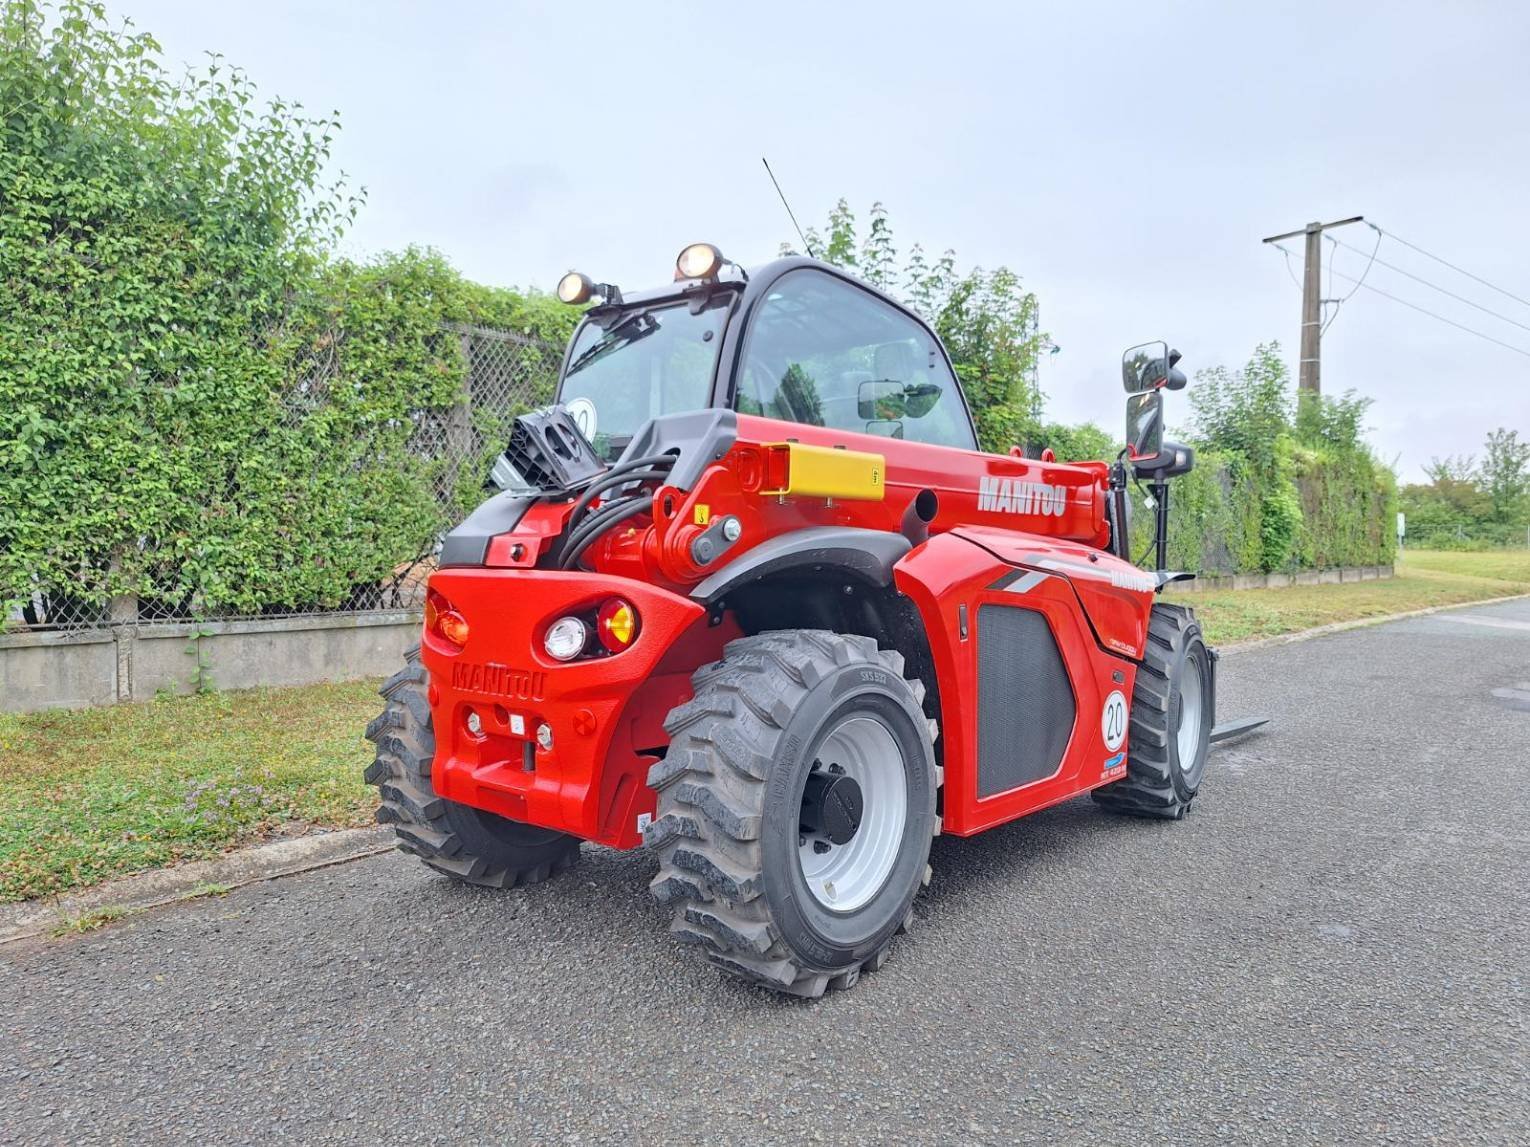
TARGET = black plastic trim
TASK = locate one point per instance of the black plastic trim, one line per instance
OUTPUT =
(468, 544)
(699, 437)
(865, 554)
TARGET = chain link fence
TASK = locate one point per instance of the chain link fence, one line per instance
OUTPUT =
(507, 374)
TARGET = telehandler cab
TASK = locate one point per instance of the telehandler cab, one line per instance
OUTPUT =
(750, 595)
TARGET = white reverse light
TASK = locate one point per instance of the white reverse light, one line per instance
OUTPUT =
(566, 638)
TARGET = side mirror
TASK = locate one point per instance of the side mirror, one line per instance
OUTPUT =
(1151, 366)
(882, 400)
(1142, 366)
(1144, 424)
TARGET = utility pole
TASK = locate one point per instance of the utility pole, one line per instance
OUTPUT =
(1310, 370)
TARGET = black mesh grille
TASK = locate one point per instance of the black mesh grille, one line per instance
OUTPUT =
(1025, 704)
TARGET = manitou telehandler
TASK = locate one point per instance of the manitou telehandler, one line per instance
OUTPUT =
(750, 595)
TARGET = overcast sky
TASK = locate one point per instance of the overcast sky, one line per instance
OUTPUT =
(1124, 158)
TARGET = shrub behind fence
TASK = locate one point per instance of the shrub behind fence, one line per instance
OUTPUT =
(362, 498)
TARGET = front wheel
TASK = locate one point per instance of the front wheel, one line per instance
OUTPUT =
(796, 804)
(1173, 709)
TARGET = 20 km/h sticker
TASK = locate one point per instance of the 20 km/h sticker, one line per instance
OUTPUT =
(1113, 720)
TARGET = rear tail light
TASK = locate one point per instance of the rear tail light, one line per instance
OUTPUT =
(616, 624)
(443, 621)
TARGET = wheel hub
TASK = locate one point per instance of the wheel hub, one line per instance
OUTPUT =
(831, 805)
(854, 807)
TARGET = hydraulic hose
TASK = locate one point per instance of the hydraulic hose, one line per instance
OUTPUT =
(598, 523)
(653, 467)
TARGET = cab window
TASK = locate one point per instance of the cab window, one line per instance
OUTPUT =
(823, 352)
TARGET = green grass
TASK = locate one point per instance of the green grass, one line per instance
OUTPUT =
(90, 921)
(1424, 579)
(99, 793)
(93, 794)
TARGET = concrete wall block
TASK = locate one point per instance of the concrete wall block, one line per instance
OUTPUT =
(1277, 580)
(1329, 577)
(71, 670)
(57, 671)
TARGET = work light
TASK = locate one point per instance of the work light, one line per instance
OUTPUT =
(575, 288)
(699, 261)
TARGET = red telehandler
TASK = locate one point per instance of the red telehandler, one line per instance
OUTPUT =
(751, 596)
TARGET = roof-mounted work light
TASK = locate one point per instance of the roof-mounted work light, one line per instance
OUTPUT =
(699, 261)
(575, 288)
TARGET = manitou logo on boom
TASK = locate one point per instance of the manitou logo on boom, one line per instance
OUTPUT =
(1014, 496)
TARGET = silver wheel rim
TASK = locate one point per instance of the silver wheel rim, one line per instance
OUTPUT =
(1191, 693)
(844, 877)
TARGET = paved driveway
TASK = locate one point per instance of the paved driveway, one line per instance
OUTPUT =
(1333, 948)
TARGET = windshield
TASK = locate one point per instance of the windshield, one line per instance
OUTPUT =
(639, 365)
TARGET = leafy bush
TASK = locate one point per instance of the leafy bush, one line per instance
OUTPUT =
(198, 406)
(1085, 442)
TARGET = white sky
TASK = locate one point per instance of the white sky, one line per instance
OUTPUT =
(1125, 158)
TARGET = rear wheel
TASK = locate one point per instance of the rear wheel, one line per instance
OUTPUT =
(1173, 708)
(796, 805)
(464, 843)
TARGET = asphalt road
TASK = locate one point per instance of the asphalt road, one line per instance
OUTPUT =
(1332, 948)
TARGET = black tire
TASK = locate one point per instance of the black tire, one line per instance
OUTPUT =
(464, 843)
(730, 792)
(1158, 781)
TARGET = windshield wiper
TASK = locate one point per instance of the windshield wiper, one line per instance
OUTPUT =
(615, 338)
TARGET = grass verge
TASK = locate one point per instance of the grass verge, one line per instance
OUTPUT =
(1425, 579)
(98, 793)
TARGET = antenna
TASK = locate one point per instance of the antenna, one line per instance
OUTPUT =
(808, 246)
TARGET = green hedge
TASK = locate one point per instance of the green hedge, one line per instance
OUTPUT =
(1278, 485)
(1331, 511)
(198, 405)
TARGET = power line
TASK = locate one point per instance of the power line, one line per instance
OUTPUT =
(1453, 267)
(1295, 282)
(1431, 314)
(1436, 286)
(1339, 303)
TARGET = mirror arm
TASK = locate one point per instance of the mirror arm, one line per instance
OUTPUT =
(1120, 539)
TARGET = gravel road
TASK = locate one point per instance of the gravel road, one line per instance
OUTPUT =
(1332, 948)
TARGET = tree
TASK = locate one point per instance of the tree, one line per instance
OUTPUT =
(1505, 475)
(1245, 412)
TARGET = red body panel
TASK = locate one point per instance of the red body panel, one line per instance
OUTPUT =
(603, 713)
(950, 572)
(996, 515)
